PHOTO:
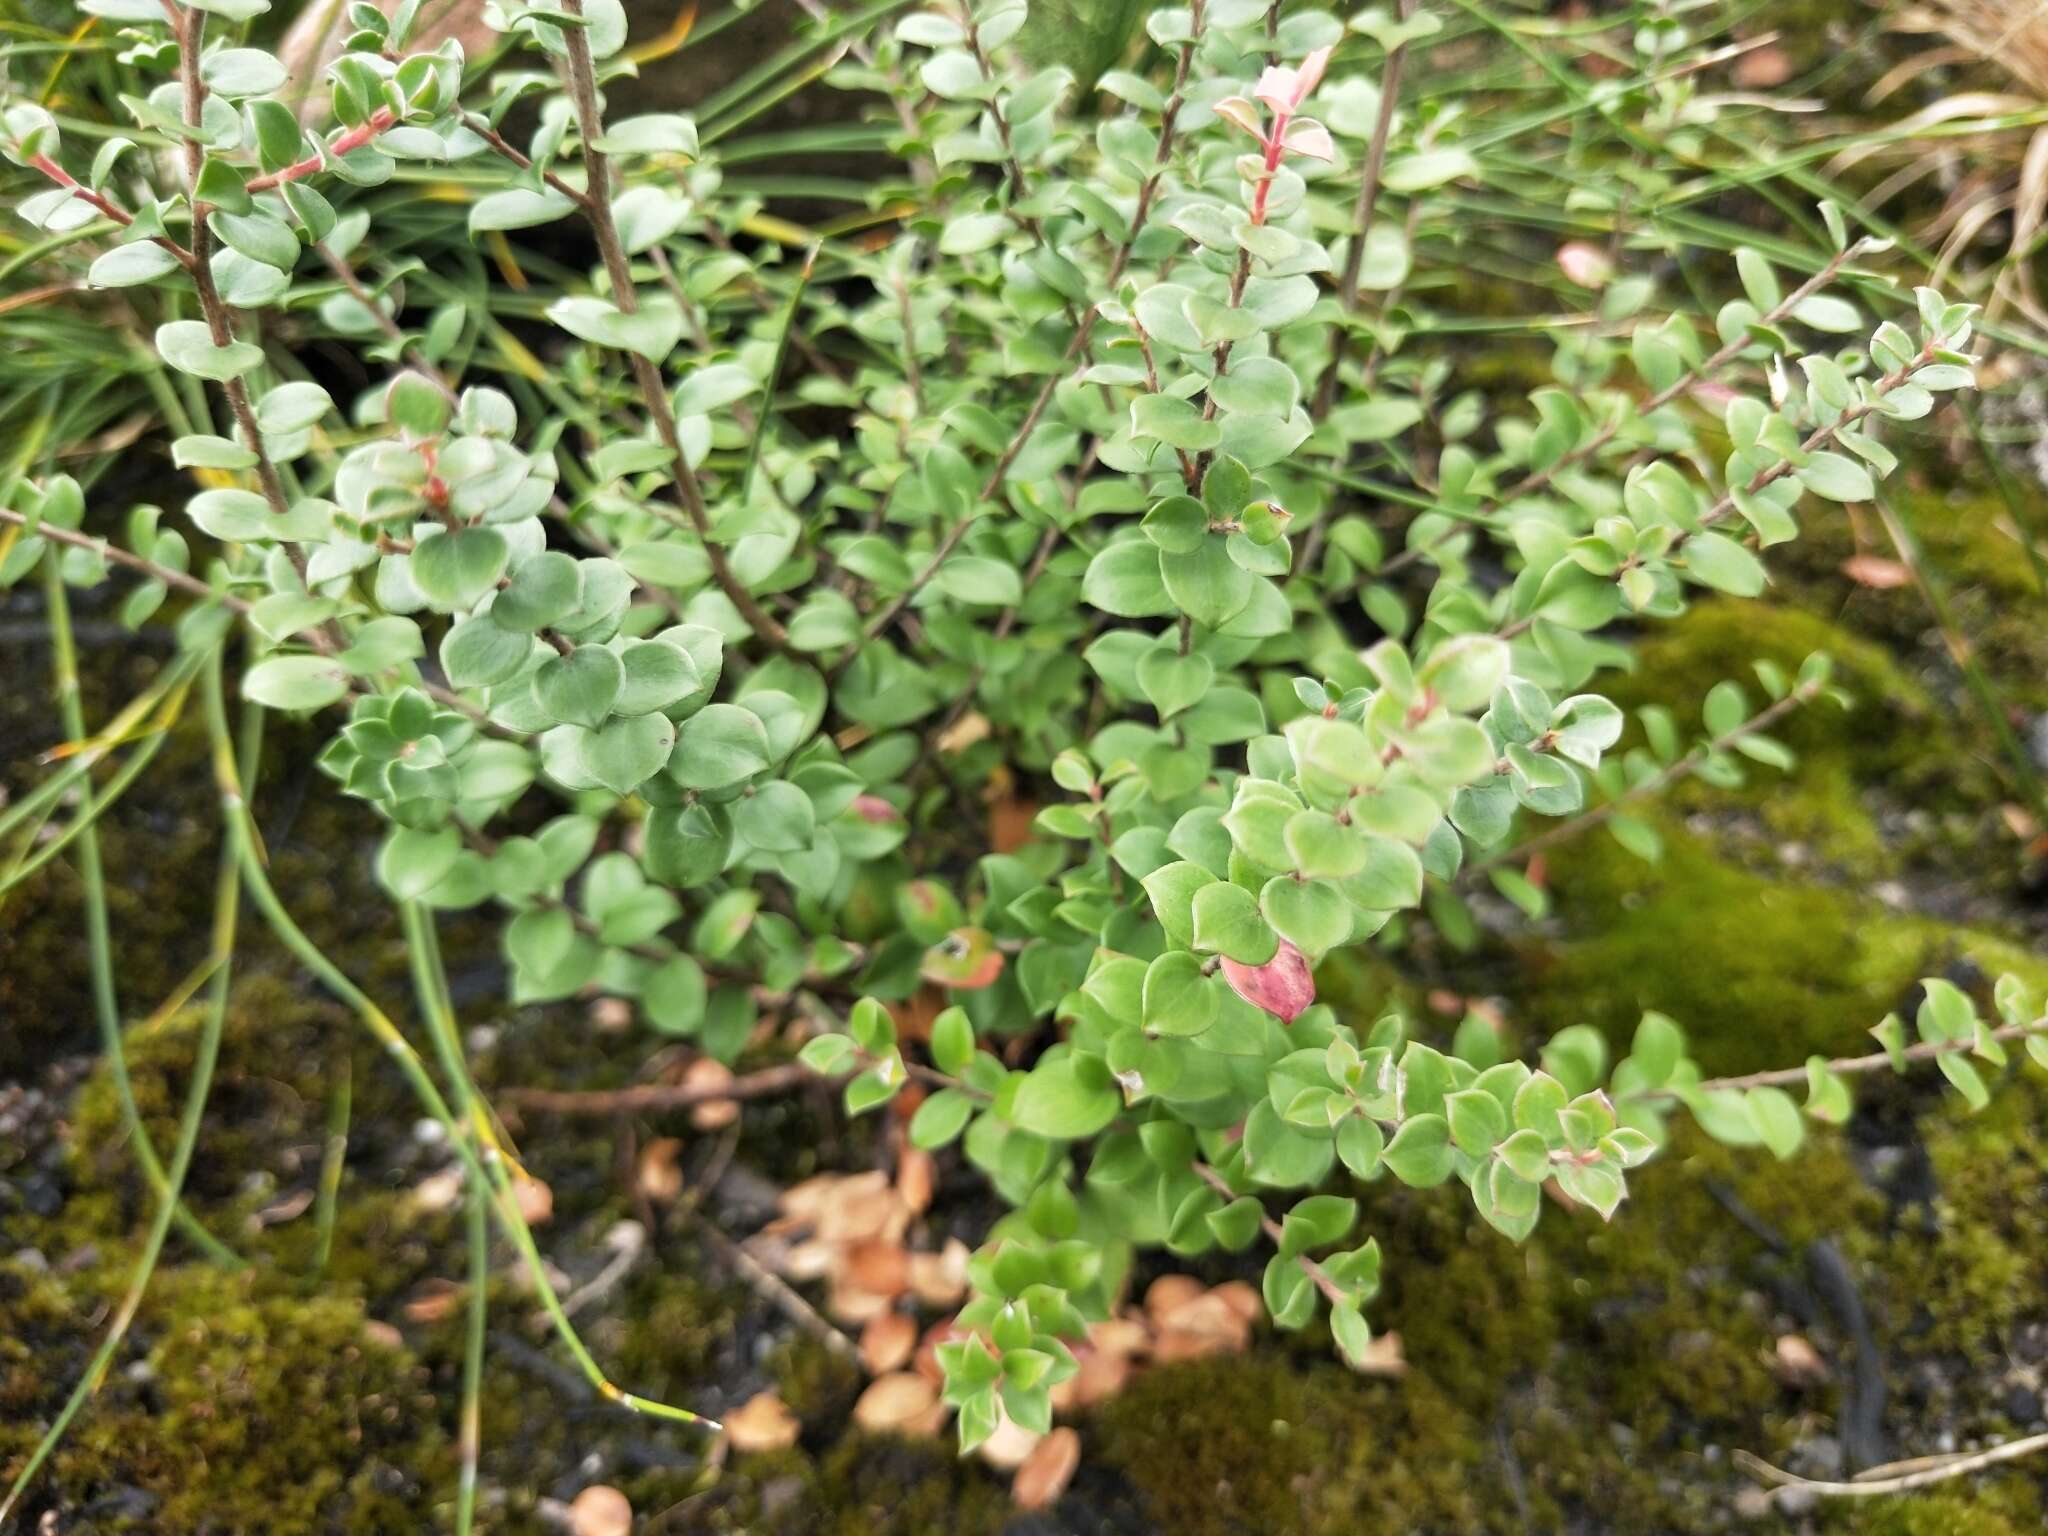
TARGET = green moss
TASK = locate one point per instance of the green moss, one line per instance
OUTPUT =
(1262, 1444)
(1760, 971)
(2007, 1506)
(231, 1409)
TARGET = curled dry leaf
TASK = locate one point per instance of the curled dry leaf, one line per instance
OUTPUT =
(1047, 1470)
(659, 1176)
(712, 1114)
(762, 1423)
(601, 1510)
(888, 1342)
(1762, 68)
(901, 1403)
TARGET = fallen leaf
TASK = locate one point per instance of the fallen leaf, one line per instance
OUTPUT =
(611, 1015)
(1762, 68)
(1382, 1357)
(712, 1114)
(1010, 1446)
(1876, 571)
(901, 1403)
(1047, 1470)
(535, 1200)
(762, 1423)
(940, 1279)
(963, 733)
(1169, 1293)
(915, 1175)
(439, 1191)
(659, 1176)
(1797, 1364)
(600, 1510)
(879, 1266)
(435, 1301)
(888, 1342)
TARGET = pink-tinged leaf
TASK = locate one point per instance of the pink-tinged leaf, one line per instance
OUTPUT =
(1306, 136)
(1311, 74)
(873, 808)
(1245, 114)
(1279, 88)
(1283, 986)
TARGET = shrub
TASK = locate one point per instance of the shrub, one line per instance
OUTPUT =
(1133, 477)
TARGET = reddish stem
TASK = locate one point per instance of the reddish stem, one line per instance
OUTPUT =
(64, 178)
(354, 139)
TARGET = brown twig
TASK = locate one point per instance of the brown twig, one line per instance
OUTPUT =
(1928, 1470)
(1363, 211)
(581, 78)
(1788, 1077)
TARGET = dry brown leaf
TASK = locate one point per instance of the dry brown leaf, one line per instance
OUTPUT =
(535, 1200)
(901, 1403)
(435, 1301)
(1797, 1364)
(1169, 1293)
(963, 733)
(1876, 571)
(290, 1208)
(659, 1177)
(1007, 1449)
(888, 1342)
(611, 1015)
(1382, 1357)
(382, 1334)
(1047, 1470)
(850, 1304)
(926, 1361)
(915, 1174)
(601, 1510)
(877, 1266)
(712, 1114)
(439, 1191)
(1242, 1298)
(762, 1423)
(1762, 68)
(940, 1279)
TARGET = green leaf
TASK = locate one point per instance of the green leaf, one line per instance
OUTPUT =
(1777, 1120)
(626, 752)
(580, 688)
(294, 682)
(1717, 561)
(1836, 477)
(454, 570)
(1227, 922)
(1171, 681)
(1312, 915)
(1420, 1153)
(1179, 999)
(187, 345)
(1066, 1099)
(718, 747)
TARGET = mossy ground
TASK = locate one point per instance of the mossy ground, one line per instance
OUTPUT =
(1595, 1379)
